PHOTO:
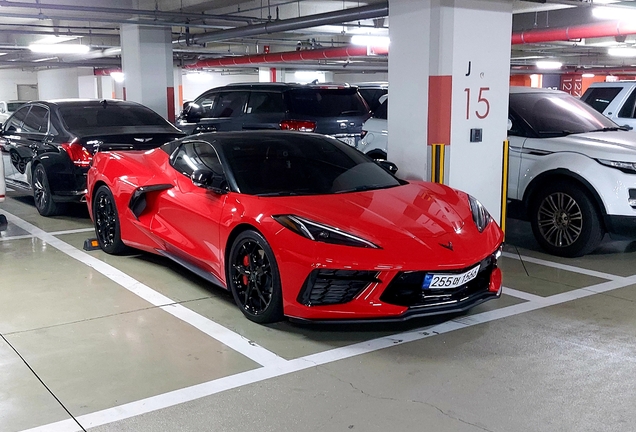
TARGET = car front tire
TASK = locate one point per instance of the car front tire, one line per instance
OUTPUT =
(106, 220)
(253, 278)
(565, 220)
(42, 193)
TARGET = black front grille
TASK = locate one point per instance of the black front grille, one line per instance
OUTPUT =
(328, 287)
(406, 287)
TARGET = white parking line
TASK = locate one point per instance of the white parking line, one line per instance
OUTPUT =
(523, 295)
(209, 388)
(565, 267)
(55, 233)
(233, 340)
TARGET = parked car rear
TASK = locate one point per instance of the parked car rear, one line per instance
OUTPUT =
(51, 143)
(335, 110)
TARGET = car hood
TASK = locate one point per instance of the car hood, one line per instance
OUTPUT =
(612, 145)
(417, 217)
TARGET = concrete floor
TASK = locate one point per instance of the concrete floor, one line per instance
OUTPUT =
(134, 343)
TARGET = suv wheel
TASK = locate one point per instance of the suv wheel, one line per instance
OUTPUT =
(565, 221)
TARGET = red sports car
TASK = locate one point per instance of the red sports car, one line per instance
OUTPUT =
(298, 225)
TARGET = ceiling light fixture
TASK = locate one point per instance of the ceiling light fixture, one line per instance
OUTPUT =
(53, 39)
(368, 40)
(59, 48)
(622, 52)
(117, 76)
(613, 13)
(545, 64)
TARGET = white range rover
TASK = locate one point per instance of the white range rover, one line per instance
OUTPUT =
(572, 168)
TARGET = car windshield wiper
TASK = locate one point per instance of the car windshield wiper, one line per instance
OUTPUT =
(611, 129)
(279, 193)
(365, 188)
(557, 133)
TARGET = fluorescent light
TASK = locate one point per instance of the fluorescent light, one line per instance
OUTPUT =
(613, 13)
(588, 75)
(622, 52)
(368, 40)
(544, 64)
(117, 76)
(53, 39)
(59, 48)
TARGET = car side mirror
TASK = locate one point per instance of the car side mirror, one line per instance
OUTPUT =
(389, 166)
(192, 112)
(208, 179)
(509, 125)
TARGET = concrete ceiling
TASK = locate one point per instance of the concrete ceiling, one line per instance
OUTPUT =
(96, 23)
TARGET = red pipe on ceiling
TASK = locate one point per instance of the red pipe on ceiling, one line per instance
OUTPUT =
(290, 56)
(596, 30)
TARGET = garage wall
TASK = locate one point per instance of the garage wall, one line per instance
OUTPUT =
(9, 80)
(58, 83)
(353, 78)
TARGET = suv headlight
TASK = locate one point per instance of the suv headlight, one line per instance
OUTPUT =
(481, 217)
(626, 167)
(322, 233)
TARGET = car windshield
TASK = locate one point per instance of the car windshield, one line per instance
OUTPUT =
(110, 115)
(322, 102)
(558, 114)
(302, 165)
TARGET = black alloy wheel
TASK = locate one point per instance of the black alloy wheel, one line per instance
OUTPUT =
(253, 278)
(106, 221)
(17, 161)
(42, 193)
(565, 221)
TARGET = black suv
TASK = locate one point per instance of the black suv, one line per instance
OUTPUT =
(50, 144)
(328, 109)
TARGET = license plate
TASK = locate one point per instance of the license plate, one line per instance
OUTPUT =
(446, 281)
(348, 140)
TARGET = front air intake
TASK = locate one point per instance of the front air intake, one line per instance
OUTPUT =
(329, 287)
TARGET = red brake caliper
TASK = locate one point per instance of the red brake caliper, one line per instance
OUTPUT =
(246, 263)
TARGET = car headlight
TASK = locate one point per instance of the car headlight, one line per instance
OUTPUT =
(322, 233)
(626, 167)
(481, 217)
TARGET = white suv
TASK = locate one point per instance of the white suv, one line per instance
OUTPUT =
(375, 132)
(572, 168)
(615, 100)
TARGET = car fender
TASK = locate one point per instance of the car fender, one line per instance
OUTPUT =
(536, 169)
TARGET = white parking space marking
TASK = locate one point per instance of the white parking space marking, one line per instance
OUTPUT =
(565, 267)
(187, 394)
(233, 340)
(522, 295)
(55, 233)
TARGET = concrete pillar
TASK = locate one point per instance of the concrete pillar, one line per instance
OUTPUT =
(147, 67)
(449, 77)
(178, 86)
(58, 83)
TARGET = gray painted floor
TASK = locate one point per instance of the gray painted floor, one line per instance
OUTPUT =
(135, 343)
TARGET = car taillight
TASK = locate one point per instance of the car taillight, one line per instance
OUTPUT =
(78, 154)
(298, 125)
(364, 133)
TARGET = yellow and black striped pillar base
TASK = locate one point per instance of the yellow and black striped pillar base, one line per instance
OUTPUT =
(437, 163)
(504, 185)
